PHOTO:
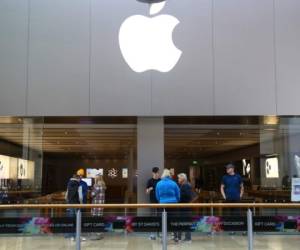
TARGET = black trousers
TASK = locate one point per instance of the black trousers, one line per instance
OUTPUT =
(232, 211)
(174, 214)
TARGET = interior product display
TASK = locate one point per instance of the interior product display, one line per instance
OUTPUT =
(93, 172)
(88, 181)
(22, 169)
(295, 189)
(297, 164)
(4, 167)
(25, 169)
(246, 168)
(124, 173)
(271, 167)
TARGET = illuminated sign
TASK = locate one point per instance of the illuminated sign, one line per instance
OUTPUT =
(271, 167)
(4, 167)
(146, 43)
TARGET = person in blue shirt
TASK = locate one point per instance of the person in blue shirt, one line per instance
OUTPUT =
(232, 188)
(167, 190)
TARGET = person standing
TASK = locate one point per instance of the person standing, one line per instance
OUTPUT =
(83, 186)
(173, 175)
(232, 188)
(98, 197)
(150, 190)
(186, 196)
(167, 191)
(73, 196)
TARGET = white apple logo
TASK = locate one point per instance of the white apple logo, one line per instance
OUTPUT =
(146, 43)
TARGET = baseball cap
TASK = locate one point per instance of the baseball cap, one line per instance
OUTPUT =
(230, 165)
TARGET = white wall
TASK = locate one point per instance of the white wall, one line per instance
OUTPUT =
(61, 57)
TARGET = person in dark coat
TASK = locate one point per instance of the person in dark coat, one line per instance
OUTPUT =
(150, 189)
(73, 197)
(186, 196)
(72, 190)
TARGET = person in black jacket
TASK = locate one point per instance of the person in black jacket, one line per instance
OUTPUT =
(186, 196)
(150, 190)
(73, 197)
(72, 190)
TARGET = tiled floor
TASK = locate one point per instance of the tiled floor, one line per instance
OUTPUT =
(141, 242)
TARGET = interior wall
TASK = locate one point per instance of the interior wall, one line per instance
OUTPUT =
(13, 150)
(59, 169)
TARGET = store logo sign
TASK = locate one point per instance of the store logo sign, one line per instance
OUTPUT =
(112, 173)
(146, 43)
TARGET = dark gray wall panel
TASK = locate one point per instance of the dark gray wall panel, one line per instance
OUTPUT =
(150, 151)
(115, 88)
(188, 88)
(13, 56)
(244, 57)
(288, 56)
(59, 58)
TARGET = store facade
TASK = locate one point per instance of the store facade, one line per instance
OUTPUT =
(231, 71)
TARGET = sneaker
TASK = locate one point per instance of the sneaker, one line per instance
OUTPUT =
(187, 241)
(152, 237)
(72, 238)
(83, 238)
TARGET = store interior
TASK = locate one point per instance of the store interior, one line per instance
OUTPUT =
(39, 155)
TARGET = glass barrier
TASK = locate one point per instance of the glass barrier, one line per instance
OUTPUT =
(170, 228)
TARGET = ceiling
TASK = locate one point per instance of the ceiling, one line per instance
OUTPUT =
(86, 139)
(203, 142)
(185, 137)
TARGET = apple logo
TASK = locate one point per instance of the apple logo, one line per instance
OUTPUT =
(146, 43)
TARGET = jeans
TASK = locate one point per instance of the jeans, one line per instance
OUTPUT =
(155, 212)
(71, 212)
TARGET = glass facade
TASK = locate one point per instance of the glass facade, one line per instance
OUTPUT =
(265, 151)
(38, 155)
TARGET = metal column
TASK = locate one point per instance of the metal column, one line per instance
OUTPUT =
(250, 229)
(164, 230)
(78, 230)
